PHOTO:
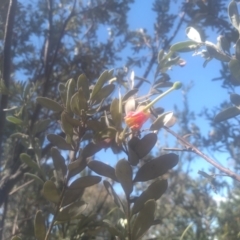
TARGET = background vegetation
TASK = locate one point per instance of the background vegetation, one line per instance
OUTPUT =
(60, 108)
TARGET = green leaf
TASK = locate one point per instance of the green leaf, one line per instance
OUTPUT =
(49, 104)
(132, 155)
(76, 167)
(103, 93)
(72, 195)
(59, 142)
(234, 66)
(40, 126)
(67, 127)
(186, 46)
(102, 169)
(114, 195)
(233, 14)
(159, 122)
(84, 182)
(50, 192)
(82, 83)
(129, 94)
(124, 175)
(216, 53)
(71, 211)
(156, 167)
(90, 150)
(104, 77)
(143, 146)
(35, 177)
(39, 226)
(78, 103)
(116, 113)
(70, 89)
(235, 99)
(154, 191)
(14, 120)
(227, 113)
(144, 220)
(25, 158)
(193, 34)
(59, 163)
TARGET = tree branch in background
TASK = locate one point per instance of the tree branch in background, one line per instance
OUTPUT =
(165, 46)
(192, 148)
(6, 71)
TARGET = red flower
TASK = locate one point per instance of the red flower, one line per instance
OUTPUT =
(136, 119)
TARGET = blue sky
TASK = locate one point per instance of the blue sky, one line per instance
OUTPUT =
(205, 93)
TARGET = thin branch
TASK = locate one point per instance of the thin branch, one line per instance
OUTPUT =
(194, 149)
(57, 209)
(20, 187)
(7, 58)
(49, 64)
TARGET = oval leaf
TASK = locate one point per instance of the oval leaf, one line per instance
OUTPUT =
(156, 167)
(76, 167)
(25, 158)
(235, 99)
(49, 104)
(39, 226)
(14, 120)
(35, 177)
(144, 220)
(233, 14)
(116, 113)
(124, 174)
(103, 93)
(234, 66)
(154, 191)
(90, 150)
(226, 114)
(50, 192)
(59, 163)
(103, 169)
(144, 145)
(78, 103)
(72, 195)
(193, 34)
(104, 77)
(84, 182)
(132, 156)
(186, 46)
(129, 94)
(40, 126)
(59, 142)
(159, 122)
(82, 83)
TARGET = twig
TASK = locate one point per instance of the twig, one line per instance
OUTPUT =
(57, 207)
(194, 149)
(6, 68)
(22, 186)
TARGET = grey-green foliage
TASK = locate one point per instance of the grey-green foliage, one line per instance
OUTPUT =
(50, 45)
